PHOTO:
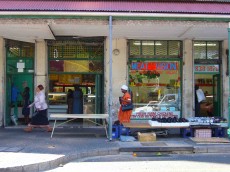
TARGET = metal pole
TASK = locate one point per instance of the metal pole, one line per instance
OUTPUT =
(110, 76)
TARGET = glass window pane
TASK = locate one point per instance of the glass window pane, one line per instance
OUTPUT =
(75, 66)
(161, 47)
(199, 48)
(72, 49)
(147, 47)
(135, 48)
(213, 50)
(174, 48)
(155, 86)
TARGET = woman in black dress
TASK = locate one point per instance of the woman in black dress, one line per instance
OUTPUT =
(26, 102)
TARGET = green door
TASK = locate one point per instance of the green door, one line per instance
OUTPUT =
(19, 74)
(19, 81)
(216, 95)
(99, 94)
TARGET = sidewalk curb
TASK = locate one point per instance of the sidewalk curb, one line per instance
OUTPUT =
(49, 165)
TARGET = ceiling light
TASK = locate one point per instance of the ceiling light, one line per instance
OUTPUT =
(146, 43)
(211, 45)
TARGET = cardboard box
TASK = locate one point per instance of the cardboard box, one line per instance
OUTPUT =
(203, 133)
(146, 137)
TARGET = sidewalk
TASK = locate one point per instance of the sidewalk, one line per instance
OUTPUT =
(36, 151)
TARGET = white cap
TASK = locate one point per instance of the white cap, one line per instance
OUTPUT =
(124, 87)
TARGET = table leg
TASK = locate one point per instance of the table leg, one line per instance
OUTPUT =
(53, 128)
(104, 123)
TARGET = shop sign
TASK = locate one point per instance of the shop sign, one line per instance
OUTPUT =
(206, 68)
(154, 66)
(155, 114)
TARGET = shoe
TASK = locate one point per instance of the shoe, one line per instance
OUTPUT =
(28, 129)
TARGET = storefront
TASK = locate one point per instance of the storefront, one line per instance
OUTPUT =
(207, 75)
(157, 52)
(76, 63)
(155, 78)
(19, 74)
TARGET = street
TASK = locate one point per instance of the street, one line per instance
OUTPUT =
(150, 162)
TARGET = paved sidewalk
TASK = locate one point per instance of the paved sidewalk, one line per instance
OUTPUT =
(36, 151)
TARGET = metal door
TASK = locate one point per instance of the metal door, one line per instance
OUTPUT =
(216, 95)
(99, 94)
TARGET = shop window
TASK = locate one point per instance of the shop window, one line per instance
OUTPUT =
(156, 88)
(155, 48)
(75, 66)
(148, 47)
(174, 48)
(206, 49)
(161, 47)
(19, 49)
(135, 47)
(76, 49)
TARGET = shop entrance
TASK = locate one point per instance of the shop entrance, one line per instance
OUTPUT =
(19, 74)
(75, 64)
(15, 85)
(210, 85)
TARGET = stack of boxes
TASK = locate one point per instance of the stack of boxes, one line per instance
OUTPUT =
(203, 133)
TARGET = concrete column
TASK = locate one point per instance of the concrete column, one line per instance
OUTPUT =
(2, 79)
(188, 106)
(119, 72)
(225, 79)
(41, 60)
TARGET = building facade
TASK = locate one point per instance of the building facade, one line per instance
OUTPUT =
(160, 49)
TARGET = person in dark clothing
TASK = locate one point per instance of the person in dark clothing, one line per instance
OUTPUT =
(197, 104)
(70, 101)
(77, 101)
(26, 102)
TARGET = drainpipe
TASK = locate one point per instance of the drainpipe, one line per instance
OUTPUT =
(110, 77)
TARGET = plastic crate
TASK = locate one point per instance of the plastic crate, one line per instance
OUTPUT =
(116, 131)
(219, 132)
(124, 131)
(186, 132)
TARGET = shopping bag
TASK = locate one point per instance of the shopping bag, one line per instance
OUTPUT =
(200, 95)
(127, 107)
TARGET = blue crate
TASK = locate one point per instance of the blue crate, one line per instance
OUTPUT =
(219, 132)
(124, 131)
(186, 132)
(115, 131)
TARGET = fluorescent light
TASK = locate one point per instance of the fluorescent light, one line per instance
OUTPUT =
(211, 45)
(146, 43)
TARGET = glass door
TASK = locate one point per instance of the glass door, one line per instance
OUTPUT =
(216, 95)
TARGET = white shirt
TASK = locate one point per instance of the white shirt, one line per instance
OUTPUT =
(40, 101)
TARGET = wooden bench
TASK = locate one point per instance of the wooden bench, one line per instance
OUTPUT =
(88, 117)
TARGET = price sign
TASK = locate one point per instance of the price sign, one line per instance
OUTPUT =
(206, 68)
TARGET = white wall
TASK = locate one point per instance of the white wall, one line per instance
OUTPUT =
(2, 79)
(41, 70)
(119, 72)
(188, 96)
